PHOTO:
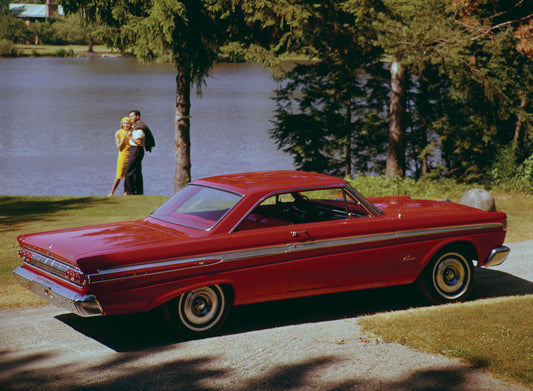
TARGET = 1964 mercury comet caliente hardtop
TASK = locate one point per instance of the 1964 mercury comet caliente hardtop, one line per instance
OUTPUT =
(254, 237)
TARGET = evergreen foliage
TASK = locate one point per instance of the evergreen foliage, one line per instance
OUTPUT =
(468, 89)
(331, 111)
(332, 120)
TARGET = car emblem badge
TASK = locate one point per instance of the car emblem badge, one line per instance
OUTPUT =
(408, 258)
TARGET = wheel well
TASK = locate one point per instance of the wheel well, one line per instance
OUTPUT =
(465, 248)
(229, 292)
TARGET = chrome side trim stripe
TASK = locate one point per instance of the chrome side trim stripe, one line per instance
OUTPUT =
(204, 260)
(290, 247)
(446, 230)
(184, 263)
(328, 243)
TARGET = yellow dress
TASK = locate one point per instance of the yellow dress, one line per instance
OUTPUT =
(123, 156)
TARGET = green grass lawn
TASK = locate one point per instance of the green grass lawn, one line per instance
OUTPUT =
(26, 214)
(493, 334)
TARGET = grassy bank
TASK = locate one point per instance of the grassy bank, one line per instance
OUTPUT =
(493, 334)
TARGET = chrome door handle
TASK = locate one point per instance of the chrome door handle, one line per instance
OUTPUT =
(303, 235)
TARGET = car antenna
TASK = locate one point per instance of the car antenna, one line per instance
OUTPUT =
(398, 196)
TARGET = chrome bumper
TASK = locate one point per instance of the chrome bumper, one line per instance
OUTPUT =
(497, 256)
(57, 295)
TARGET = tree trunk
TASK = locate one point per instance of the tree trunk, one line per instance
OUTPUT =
(424, 165)
(348, 149)
(518, 128)
(396, 153)
(182, 128)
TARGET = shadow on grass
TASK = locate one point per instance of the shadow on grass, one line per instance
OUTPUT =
(27, 209)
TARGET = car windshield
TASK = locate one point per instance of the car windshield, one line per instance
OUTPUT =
(197, 207)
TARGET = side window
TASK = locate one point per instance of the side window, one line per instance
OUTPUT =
(304, 207)
(325, 205)
(272, 212)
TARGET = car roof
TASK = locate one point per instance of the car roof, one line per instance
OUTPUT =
(270, 181)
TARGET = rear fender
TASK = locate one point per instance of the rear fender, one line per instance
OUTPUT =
(172, 294)
(411, 265)
(463, 247)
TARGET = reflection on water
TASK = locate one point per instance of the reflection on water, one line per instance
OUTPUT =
(59, 116)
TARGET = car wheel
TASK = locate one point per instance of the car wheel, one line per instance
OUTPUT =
(449, 277)
(198, 313)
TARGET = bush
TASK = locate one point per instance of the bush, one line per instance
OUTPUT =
(523, 178)
(71, 30)
(64, 53)
(425, 187)
(13, 29)
(44, 31)
(508, 174)
(8, 49)
(64, 31)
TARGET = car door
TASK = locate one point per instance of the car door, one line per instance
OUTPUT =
(260, 270)
(343, 252)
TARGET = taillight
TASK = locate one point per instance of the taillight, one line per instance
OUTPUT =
(75, 276)
(504, 227)
(26, 255)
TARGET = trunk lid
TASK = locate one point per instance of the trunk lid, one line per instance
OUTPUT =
(105, 241)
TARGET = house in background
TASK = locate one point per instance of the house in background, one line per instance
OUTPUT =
(33, 12)
(36, 12)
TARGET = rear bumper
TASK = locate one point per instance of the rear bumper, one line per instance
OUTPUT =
(497, 256)
(83, 305)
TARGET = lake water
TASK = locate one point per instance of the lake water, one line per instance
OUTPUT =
(58, 118)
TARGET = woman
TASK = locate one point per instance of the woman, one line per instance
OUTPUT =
(123, 146)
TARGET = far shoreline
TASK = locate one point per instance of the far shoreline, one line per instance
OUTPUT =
(66, 51)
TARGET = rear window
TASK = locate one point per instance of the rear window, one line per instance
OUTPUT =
(197, 206)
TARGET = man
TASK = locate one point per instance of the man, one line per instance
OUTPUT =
(133, 183)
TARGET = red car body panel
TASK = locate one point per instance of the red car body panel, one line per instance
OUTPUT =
(139, 265)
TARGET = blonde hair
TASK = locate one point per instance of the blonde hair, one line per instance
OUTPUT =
(124, 120)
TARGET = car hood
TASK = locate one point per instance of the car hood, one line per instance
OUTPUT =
(430, 212)
(105, 240)
(420, 205)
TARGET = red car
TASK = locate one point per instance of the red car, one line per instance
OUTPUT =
(254, 237)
